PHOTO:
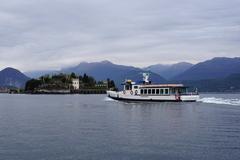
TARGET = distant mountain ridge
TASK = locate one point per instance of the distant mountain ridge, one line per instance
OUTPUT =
(219, 67)
(39, 73)
(220, 70)
(170, 70)
(230, 83)
(10, 77)
(106, 69)
(157, 68)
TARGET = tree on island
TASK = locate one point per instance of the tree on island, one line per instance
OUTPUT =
(32, 84)
(88, 80)
(73, 75)
(111, 85)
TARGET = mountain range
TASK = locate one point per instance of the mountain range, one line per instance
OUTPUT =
(220, 70)
(230, 83)
(215, 68)
(37, 74)
(118, 73)
(169, 71)
(10, 77)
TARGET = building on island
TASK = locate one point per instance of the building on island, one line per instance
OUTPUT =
(4, 90)
(102, 84)
(75, 83)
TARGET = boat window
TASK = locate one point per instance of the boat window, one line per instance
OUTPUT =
(186, 90)
(161, 91)
(135, 87)
(183, 90)
(145, 91)
(171, 91)
(149, 91)
(157, 91)
(153, 91)
(166, 91)
(141, 91)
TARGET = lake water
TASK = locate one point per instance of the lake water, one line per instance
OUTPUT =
(71, 127)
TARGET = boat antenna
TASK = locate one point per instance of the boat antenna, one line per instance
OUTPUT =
(146, 77)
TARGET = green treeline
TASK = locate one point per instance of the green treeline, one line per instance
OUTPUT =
(64, 82)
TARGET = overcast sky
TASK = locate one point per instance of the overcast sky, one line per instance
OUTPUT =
(52, 34)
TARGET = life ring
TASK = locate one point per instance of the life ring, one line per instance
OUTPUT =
(136, 92)
(131, 92)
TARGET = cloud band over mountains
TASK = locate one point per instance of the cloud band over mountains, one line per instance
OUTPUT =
(53, 34)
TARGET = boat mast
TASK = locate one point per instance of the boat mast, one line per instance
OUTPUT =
(146, 78)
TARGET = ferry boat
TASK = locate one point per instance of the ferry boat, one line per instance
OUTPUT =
(153, 92)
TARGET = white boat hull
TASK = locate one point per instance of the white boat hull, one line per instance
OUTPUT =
(158, 98)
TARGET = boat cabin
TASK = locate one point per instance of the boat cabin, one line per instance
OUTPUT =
(166, 89)
(146, 91)
(147, 88)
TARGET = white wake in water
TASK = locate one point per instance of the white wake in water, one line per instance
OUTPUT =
(214, 100)
(109, 99)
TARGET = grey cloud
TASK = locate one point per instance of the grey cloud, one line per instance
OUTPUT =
(54, 34)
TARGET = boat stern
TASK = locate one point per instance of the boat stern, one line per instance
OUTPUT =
(190, 98)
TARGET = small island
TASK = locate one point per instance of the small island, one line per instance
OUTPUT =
(68, 84)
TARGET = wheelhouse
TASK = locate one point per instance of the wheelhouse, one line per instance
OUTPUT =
(129, 85)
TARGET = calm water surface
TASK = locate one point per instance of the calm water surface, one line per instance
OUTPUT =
(71, 127)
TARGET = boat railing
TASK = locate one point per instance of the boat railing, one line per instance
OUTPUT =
(190, 93)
